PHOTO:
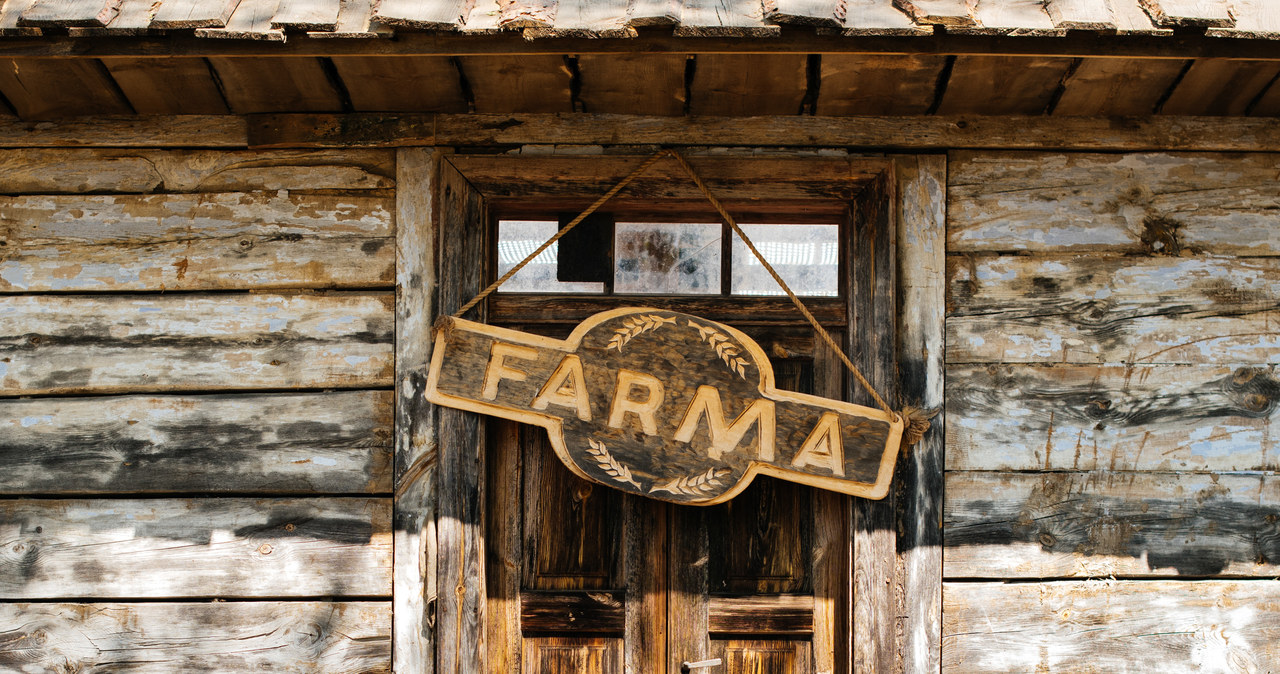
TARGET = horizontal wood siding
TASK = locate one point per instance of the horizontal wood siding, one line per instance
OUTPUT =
(1112, 404)
(183, 318)
(161, 638)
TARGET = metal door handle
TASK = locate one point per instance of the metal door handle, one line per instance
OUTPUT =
(701, 664)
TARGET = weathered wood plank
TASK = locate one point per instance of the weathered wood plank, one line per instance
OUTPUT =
(940, 12)
(828, 13)
(275, 85)
(70, 13)
(10, 12)
(306, 15)
(167, 87)
(162, 548)
(250, 20)
(778, 614)
(1046, 525)
(158, 638)
(1111, 626)
(540, 613)
(1200, 418)
(315, 443)
(461, 443)
(75, 171)
(423, 15)
(205, 131)
(505, 558)
(1131, 203)
(645, 525)
(401, 83)
(179, 14)
(119, 344)
(1268, 104)
(1220, 87)
(709, 18)
(133, 20)
(1080, 14)
(534, 83)
(1021, 18)
(878, 85)
(1255, 19)
(1104, 86)
(417, 181)
(1112, 309)
(1175, 13)
(355, 20)
(41, 89)
(608, 83)
(729, 84)
(1131, 18)
(202, 242)
(1002, 85)
(921, 242)
(876, 17)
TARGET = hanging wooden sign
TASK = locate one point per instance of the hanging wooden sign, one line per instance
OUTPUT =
(665, 405)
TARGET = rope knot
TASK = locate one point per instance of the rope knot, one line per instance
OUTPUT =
(917, 424)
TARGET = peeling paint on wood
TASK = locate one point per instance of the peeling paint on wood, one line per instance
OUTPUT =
(55, 344)
(1111, 626)
(1213, 203)
(338, 442)
(231, 547)
(160, 638)
(1097, 524)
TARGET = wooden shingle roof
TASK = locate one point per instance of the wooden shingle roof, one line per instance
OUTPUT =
(276, 20)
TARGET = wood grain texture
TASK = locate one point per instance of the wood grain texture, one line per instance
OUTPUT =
(587, 19)
(1112, 309)
(1098, 524)
(250, 20)
(687, 601)
(423, 15)
(1080, 14)
(40, 89)
(355, 20)
(1002, 85)
(133, 20)
(533, 83)
(1257, 19)
(769, 614)
(504, 552)
(167, 87)
(1104, 86)
(520, 309)
(1109, 625)
(306, 15)
(1178, 13)
(275, 85)
(608, 83)
(92, 13)
(573, 654)
(401, 83)
(941, 12)
(735, 84)
(855, 84)
(177, 14)
(167, 548)
(10, 12)
(1141, 418)
(646, 526)
(703, 18)
(1220, 87)
(1020, 18)
(203, 131)
(175, 342)
(416, 462)
(1130, 203)
(301, 444)
(876, 17)
(1132, 19)
(76, 171)
(199, 242)
(542, 613)
(157, 638)
(921, 243)
(828, 13)
(461, 439)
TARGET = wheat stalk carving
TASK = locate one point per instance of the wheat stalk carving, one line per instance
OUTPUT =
(635, 326)
(610, 465)
(725, 349)
(693, 485)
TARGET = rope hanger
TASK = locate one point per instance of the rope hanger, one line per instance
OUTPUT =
(916, 420)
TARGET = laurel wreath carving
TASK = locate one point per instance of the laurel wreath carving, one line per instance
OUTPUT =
(725, 349)
(611, 466)
(693, 485)
(635, 326)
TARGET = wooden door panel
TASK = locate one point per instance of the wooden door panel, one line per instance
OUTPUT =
(759, 541)
(761, 656)
(572, 527)
(571, 655)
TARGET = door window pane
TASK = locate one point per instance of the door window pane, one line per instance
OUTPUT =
(518, 238)
(666, 258)
(806, 256)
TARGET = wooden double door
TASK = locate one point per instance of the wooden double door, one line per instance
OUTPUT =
(583, 578)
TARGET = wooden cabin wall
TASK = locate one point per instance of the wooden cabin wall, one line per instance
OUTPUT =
(1112, 399)
(196, 350)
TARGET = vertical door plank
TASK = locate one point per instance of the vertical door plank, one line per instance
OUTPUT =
(461, 439)
(503, 548)
(873, 350)
(687, 615)
(645, 642)
(832, 547)
(417, 179)
(921, 241)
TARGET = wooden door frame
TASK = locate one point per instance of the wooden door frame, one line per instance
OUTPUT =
(439, 560)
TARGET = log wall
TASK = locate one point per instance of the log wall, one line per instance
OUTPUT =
(1112, 402)
(196, 414)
